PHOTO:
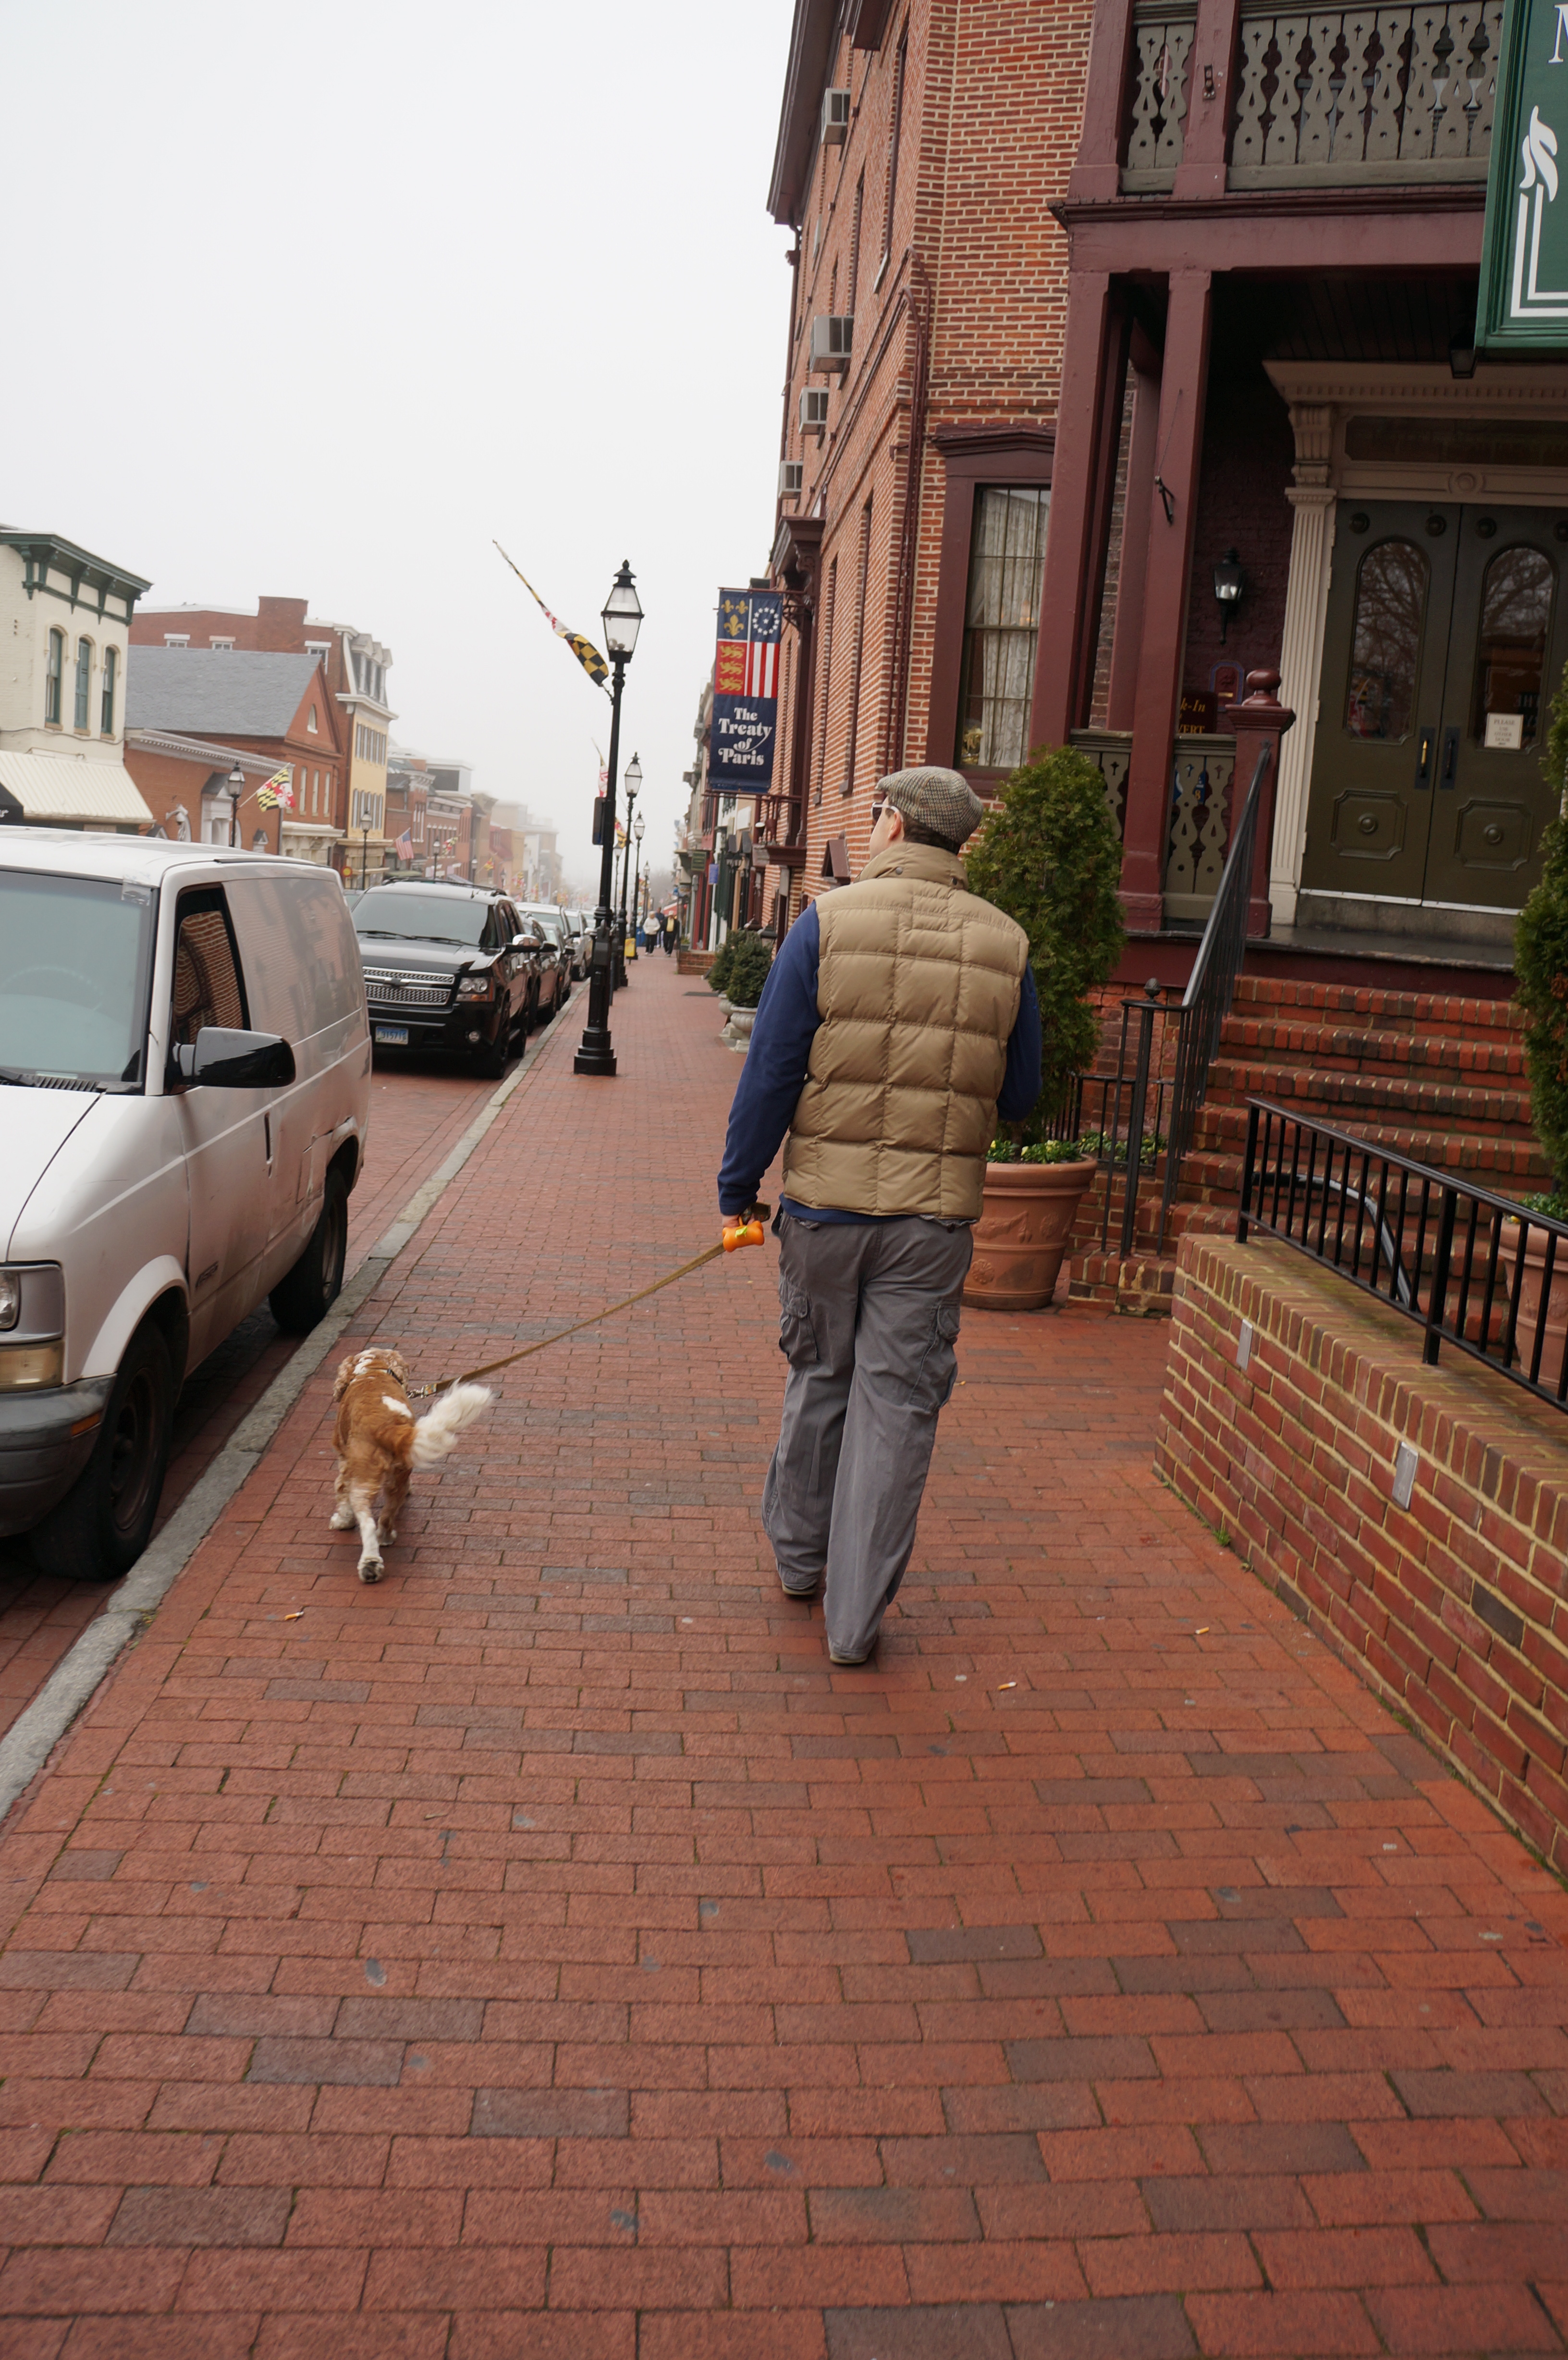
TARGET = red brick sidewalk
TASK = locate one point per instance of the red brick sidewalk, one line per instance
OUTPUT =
(546, 1954)
(419, 1111)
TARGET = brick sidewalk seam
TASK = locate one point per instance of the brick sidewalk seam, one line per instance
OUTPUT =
(547, 1950)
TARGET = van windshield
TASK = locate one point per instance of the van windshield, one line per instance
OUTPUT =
(75, 962)
(421, 917)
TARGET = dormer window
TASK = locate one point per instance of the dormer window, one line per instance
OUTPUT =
(177, 639)
(226, 647)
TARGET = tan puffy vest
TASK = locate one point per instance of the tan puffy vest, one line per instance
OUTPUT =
(917, 989)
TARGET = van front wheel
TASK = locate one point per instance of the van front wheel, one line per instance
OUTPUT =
(305, 1294)
(101, 1527)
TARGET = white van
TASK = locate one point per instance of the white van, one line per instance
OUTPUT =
(184, 1100)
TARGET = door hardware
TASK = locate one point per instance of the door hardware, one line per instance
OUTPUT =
(1450, 756)
(1423, 760)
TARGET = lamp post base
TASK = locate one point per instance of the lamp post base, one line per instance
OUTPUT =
(595, 1055)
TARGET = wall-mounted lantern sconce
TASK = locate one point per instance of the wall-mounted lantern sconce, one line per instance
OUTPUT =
(1230, 581)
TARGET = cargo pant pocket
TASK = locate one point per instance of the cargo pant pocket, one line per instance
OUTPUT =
(938, 1371)
(797, 1336)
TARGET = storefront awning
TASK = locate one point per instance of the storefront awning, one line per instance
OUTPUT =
(73, 790)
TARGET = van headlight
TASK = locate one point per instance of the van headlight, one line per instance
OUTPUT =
(10, 1298)
(476, 986)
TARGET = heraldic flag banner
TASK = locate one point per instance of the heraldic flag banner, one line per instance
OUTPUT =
(746, 691)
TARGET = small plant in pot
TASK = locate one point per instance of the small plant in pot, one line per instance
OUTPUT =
(745, 973)
(1540, 966)
(1047, 853)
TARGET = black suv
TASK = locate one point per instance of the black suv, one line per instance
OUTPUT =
(449, 967)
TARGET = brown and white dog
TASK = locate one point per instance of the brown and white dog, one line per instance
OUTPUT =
(379, 1442)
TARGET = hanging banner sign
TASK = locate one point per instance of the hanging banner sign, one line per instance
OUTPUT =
(1524, 254)
(746, 691)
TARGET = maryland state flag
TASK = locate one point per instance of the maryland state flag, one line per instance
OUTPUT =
(279, 791)
(586, 653)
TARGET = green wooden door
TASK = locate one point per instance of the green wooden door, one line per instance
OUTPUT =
(1446, 632)
(1380, 701)
(1506, 650)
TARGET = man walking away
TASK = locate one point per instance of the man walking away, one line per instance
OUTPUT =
(899, 1018)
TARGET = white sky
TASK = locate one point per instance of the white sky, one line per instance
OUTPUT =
(314, 299)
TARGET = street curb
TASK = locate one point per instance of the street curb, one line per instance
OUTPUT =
(80, 1672)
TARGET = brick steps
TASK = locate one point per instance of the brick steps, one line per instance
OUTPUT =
(1430, 1076)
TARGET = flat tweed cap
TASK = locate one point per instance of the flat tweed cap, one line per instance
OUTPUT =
(942, 801)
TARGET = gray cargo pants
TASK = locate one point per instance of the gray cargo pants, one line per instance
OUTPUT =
(868, 1318)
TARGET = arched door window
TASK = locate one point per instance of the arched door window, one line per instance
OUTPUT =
(1510, 648)
(1385, 641)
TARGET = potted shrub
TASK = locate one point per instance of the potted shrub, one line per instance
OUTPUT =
(750, 958)
(718, 972)
(1048, 853)
(1540, 966)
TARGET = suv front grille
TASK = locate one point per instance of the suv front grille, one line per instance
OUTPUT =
(419, 990)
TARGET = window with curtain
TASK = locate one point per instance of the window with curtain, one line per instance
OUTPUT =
(53, 672)
(106, 711)
(83, 681)
(1001, 626)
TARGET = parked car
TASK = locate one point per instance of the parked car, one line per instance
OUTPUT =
(581, 924)
(185, 1085)
(451, 968)
(556, 926)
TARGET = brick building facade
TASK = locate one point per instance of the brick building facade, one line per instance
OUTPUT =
(354, 665)
(920, 151)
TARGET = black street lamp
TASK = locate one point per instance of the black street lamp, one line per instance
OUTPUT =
(634, 788)
(639, 880)
(621, 615)
(235, 784)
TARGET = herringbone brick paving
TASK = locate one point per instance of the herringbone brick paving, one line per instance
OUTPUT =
(547, 1953)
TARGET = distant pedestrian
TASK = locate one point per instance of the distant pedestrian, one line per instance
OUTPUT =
(671, 936)
(899, 1018)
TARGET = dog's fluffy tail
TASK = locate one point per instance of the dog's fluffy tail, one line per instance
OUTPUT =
(436, 1433)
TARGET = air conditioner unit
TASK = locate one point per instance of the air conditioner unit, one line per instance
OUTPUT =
(832, 335)
(790, 474)
(835, 117)
(815, 411)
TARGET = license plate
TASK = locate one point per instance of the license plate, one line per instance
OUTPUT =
(392, 1036)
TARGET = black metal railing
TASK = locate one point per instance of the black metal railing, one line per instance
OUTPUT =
(1472, 1269)
(1211, 987)
(1145, 1105)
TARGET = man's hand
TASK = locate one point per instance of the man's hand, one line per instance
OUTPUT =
(744, 1229)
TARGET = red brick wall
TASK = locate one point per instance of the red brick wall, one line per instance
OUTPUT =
(993, 98)
(1455, 1608)
(1248, 452)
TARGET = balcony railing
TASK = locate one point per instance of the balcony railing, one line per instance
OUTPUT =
(1325, 97)
(1202, 766)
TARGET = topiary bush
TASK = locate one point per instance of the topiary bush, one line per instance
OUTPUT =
(750, 958)
(1048, 853)
(1541, 965)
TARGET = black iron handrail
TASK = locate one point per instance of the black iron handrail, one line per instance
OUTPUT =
(1211, 987)
(1473, 1269)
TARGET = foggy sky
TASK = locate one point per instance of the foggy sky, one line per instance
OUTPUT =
(314, 301)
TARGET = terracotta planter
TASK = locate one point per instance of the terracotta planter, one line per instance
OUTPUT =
(1530, 1301)
(1025, 1224)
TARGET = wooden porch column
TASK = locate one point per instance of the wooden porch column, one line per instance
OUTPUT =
(1128, 635)
(1096, 170)
(1069, 610)
(1210, 64)
(1178, 449)
(1258, 720)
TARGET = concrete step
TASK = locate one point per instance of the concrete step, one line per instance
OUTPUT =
(1341, 1049)
(1351, 1006)
(1350, 1097)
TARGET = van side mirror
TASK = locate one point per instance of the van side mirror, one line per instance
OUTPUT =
(221, 1059)
(519, 942)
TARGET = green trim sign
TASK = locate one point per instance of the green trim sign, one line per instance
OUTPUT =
(1524, 253)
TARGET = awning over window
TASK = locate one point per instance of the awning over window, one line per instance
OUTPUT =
(74, 790)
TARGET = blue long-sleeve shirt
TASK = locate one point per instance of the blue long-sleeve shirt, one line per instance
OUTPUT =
(774, 1073)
